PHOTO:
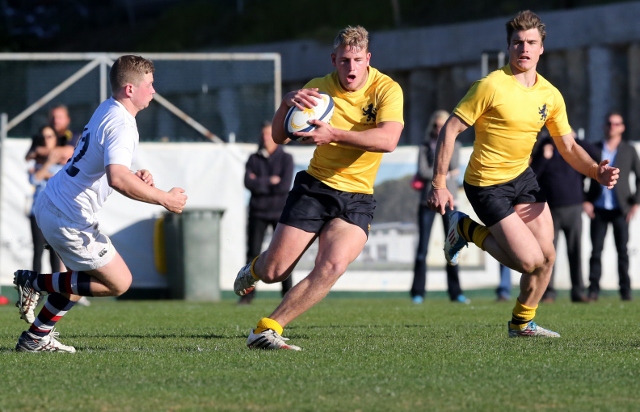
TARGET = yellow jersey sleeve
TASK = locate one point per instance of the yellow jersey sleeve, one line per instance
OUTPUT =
(476, 102)
(347, 168)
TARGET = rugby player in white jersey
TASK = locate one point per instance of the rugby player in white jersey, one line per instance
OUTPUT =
(66, 211)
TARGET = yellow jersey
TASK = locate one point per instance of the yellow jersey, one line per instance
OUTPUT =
(347, 168)
(507, 118)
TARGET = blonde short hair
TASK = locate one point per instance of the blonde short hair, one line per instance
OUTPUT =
(129, 69)
(354, 37)
(438, 114)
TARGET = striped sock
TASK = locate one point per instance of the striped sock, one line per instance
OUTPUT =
(522, 315)
(56, 307)
(472, 231)
(71, 282)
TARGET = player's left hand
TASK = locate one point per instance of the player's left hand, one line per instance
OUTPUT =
(145, 176)
(321, 135)
(607, 175)
(439, 200)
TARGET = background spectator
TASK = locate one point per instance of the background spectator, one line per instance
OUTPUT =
(426, 215)
(563, 187)
(46, 163)
(616, 207)
(268, 177)
(59, 121)
(504, 288)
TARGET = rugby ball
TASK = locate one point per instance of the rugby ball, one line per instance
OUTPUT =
(298, 120)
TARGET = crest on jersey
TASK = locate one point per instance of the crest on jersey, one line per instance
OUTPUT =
(543, 112)
(370, 112)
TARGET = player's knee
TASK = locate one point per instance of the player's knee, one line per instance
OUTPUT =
(550, 257)
(539, 262)
(532, 263)
(121, 286)
(528, 266)
(332, 268)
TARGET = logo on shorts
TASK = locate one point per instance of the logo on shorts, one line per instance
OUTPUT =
(543, 112)
(102, 252)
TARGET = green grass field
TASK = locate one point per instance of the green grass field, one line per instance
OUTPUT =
(359, 354)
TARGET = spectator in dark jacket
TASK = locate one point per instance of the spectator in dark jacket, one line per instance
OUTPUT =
(563, 187)
(268, 176)
(426, 216)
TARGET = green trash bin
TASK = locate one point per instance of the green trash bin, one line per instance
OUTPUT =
(192, 250)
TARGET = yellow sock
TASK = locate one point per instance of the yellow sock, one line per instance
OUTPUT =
(253, 271)
(521, 315)
(473, 232)
(266, 323)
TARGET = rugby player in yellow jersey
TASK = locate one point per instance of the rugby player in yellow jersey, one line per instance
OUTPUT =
(507, 109)
(333, 199)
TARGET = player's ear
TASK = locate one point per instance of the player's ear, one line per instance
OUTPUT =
(333, 59)
(128, 89)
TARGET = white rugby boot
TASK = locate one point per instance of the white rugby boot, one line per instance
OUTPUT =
(269, 339)
(532, 330)
(27, 296)
(28, 342)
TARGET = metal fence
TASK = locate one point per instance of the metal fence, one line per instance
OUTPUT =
(200, 96)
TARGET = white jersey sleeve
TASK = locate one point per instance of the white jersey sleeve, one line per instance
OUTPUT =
(110, 137)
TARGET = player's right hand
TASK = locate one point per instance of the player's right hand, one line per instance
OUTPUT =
(301, 98)
(607, 175)
(175, 200)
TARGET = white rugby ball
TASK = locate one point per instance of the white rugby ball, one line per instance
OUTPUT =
(298, 120)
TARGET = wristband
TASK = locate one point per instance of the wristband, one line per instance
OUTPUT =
(593, 171)
(439, 182)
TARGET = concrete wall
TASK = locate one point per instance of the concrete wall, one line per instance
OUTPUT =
(592, 55)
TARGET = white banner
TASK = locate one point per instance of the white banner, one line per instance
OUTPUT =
(212, 176)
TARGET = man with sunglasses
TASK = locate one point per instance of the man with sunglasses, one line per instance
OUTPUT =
(617, 206)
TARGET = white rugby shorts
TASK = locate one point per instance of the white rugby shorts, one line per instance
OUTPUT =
(80, 245)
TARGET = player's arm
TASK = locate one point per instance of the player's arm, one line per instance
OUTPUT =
(135, 187)
(286, 176)
(253, 180)
(580, 160)
(439, 196)
(300, 98)
(383, 138)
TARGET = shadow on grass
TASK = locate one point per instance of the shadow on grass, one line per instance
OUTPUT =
(156, 336)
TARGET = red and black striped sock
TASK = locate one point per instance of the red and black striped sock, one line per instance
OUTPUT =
(56, 307)
(71, 282)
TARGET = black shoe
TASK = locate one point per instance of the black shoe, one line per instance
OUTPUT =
(593, 296)
(246, 299)
(580, 299)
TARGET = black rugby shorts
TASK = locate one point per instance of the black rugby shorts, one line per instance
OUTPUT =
(494, 203)
(311, 204)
